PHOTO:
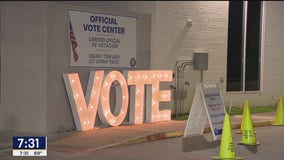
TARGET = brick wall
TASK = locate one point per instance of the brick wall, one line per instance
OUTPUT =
(172, 40)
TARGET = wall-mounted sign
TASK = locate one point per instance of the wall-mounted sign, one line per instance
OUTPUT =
(102, 40)
(207, 103)
(142, 84)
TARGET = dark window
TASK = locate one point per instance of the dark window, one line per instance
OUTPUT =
(244, 42)
(235, 45)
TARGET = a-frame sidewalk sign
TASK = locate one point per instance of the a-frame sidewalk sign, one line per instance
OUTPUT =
(207, 103)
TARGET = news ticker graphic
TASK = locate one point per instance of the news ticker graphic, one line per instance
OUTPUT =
(29, 146)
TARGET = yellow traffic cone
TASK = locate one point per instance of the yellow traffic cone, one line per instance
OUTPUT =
(243, 117)
(227, 147)
(248, 137)
(279, 113)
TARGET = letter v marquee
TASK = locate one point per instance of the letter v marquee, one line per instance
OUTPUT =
(84, 110)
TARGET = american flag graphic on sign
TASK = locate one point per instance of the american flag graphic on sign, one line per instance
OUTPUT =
(73, 43)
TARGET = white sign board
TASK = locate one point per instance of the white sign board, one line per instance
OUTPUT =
(102, 40)
(207, 103)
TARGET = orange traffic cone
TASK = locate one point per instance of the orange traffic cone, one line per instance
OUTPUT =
(248, 137)
(227, 147)
(279, 113)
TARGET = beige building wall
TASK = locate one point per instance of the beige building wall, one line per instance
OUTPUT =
(172, 40)
(34, 54)
(272, 58)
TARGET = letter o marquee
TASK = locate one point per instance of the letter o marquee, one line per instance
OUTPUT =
(120, 112)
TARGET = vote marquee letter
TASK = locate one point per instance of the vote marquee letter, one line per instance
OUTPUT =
(84, 110)
(151, 79)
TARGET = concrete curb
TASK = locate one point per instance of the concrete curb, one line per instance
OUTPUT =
(171, 134)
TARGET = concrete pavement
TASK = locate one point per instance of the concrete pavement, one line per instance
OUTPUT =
(270, 137)
(83, 142)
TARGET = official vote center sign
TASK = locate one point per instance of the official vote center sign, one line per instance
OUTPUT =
(102, 40)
